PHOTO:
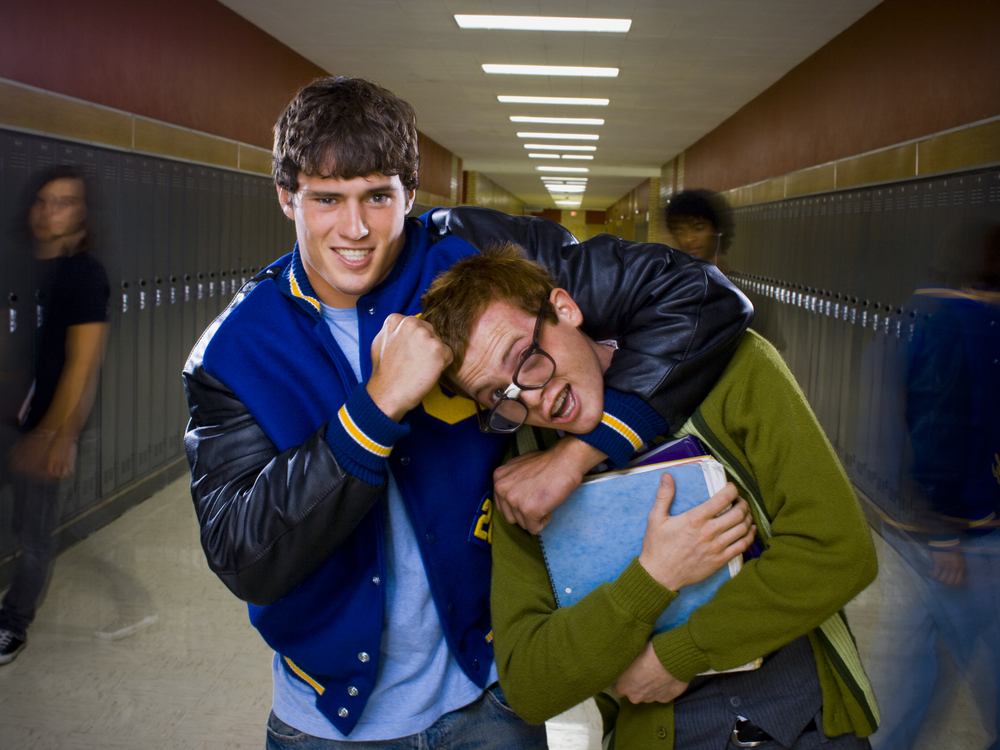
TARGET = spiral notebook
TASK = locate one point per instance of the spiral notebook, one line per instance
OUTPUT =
(594, 535)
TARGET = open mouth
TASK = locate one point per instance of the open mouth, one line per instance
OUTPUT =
(352, 255)
(563, 404)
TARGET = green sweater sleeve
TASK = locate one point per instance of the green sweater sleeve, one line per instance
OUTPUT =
(550, 659)
(820, 553)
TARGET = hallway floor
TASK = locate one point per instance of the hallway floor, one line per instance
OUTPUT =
(199, 676)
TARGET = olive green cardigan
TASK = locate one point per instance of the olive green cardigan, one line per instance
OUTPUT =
(818, 556)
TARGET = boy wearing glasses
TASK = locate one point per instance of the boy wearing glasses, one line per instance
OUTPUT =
(338, 487)
(522, 352)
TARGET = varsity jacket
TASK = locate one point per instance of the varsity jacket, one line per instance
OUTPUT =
(290, 456)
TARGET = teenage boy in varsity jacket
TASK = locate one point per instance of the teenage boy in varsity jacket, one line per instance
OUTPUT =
(342, 492)
(520, 352)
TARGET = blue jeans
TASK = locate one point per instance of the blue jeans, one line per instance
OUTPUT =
(36, 515)
(485, 724)
(919, 615)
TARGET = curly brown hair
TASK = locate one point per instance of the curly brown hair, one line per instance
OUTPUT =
(345, 128)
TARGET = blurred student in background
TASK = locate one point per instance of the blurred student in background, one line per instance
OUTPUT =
(72, 327)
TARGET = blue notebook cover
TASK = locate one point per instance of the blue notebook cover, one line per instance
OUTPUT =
(594, 535)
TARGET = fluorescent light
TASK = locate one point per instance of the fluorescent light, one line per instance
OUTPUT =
(547, 147)
(559, 120)
(543, 156)
(562, 169)
(567, 136)
(567, 188)
(544, 23)
(551, 70)
(578, 156)
(566, 179)
(554, 100)
(569, 204)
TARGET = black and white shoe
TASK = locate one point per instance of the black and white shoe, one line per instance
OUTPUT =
(10, 645)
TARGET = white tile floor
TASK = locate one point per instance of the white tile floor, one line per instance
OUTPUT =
(199, 677)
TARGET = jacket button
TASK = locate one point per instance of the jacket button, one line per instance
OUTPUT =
(405, 460)
(450, 608)
(430, 538)
(352, 691)
(342, 713)
(376, 580)
(475, 664)
(371, 310)
(661, 732)
(363, 657)
(734, 701)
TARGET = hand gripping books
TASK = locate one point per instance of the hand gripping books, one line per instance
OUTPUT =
(595, 534)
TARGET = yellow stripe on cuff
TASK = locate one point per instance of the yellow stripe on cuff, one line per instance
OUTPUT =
(359, 437)
(983, 521)
(315, 685)
(942, 545)
(622, 429)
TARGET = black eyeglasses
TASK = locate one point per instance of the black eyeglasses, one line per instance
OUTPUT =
(534, 371)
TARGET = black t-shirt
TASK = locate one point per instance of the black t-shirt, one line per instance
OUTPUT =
(71, 291)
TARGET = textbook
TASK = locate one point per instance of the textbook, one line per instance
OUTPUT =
(594, 535)
(686, 447)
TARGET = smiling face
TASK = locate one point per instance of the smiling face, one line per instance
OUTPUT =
(573, 400)
(350, 231)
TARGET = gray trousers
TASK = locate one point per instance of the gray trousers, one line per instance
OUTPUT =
(782, 698)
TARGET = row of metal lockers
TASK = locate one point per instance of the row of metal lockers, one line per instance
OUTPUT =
(832, 279)
(177, 241)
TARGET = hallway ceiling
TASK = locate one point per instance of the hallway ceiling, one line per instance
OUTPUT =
(685, 67)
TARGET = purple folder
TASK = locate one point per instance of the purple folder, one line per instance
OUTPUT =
(686, 447)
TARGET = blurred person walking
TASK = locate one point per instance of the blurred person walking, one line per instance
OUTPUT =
(70, 338)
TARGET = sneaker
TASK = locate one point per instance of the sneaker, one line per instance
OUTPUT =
(10, 645)
(120, 628)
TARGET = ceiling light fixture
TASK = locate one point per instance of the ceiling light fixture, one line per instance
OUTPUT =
(544, 23)
(578, 156)
(543, 156)
(567, 136)
(569, 204)
(562, 169)
(551, 70)
(554, 100)
(559, 120)
(567, 188)
(547, 147)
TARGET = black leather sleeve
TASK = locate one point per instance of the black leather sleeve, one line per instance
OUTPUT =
(268, 519)
(677, 320)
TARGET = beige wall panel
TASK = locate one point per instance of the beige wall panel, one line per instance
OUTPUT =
(482, 191)
(655, 231)
(577, 225)
(881, 166)
(815, 180)
(970, 147)
(253, 159)
(429, 199)
(159, 138)
(33, 110)
(771, 190)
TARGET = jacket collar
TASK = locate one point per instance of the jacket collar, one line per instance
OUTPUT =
(294, 283)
